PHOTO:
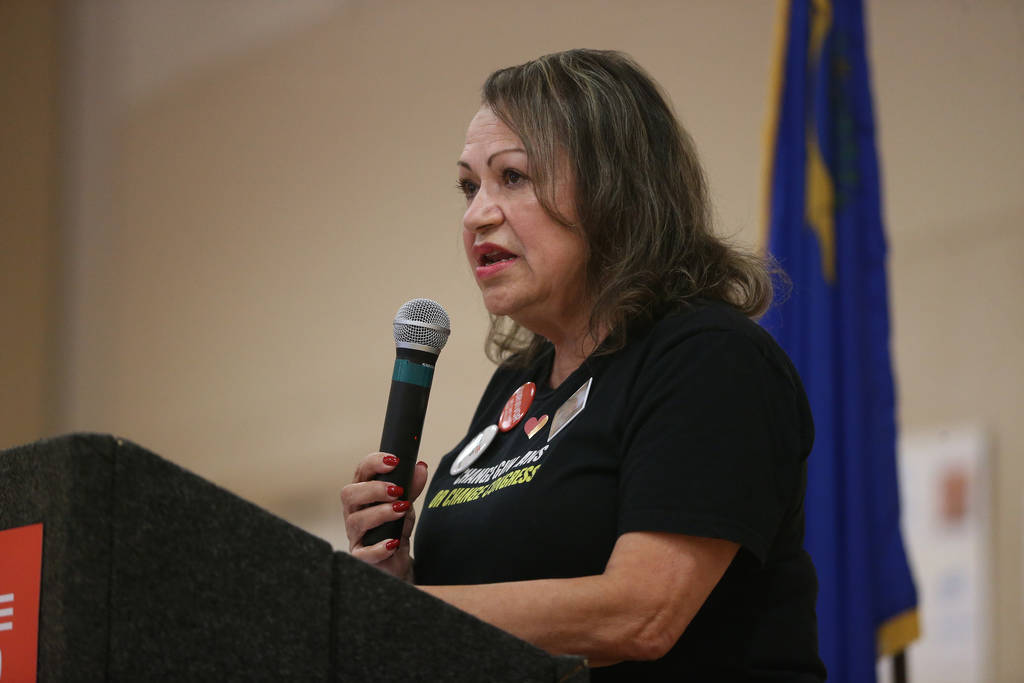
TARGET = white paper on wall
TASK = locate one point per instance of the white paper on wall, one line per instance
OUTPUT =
(945, 484)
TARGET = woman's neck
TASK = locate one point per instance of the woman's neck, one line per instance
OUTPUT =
(570, 353)
(571, 336)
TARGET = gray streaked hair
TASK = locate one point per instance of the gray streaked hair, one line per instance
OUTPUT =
(641, 199)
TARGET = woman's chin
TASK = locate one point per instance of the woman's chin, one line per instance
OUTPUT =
(498, 303)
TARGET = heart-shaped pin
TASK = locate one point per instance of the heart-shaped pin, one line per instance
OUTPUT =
(533, 425)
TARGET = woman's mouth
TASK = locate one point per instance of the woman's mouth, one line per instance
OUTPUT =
(492, 260)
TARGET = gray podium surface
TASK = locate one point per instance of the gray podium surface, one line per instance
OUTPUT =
(151, 573)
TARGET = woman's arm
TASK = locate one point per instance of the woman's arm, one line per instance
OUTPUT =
(652, 587)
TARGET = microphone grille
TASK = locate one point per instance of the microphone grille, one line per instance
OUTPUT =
(422, 323)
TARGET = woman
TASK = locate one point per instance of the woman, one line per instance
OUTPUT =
(637, 490)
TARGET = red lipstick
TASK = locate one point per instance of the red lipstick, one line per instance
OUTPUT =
(492, 259)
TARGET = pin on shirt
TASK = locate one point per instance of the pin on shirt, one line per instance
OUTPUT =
(570, 409)
(517, 406)
(473, 450)
(534, 425)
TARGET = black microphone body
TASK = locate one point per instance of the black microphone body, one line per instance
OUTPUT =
(403, 424)
(421, 330)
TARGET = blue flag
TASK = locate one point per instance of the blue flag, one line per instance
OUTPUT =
(825, 229)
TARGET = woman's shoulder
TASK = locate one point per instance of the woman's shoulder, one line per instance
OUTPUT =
(713, 323)
(704, 317)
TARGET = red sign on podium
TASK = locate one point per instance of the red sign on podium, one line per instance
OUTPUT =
(21, 560)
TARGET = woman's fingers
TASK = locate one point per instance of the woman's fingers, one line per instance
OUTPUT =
(410, 522)
(419, 480)
(388, 547)
(374, 463)
(377, 552)
(356, 496)
(364, 491)
(358, 522)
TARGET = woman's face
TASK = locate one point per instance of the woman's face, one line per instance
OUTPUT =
(527, 265)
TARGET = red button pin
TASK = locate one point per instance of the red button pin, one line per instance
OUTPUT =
(516, 406)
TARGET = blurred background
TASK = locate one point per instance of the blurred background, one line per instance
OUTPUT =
(210, 212)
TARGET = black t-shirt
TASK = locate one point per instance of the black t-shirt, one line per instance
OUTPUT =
(698, 426)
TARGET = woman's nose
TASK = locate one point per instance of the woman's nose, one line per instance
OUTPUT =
(482, 213)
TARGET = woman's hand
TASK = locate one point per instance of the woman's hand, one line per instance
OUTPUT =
(366, 504)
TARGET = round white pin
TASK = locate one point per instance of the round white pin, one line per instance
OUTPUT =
(473, 449)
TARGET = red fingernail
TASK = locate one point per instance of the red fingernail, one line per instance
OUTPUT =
(400, 506)
(395, 491)
(422, 462)
(390, 460)
(392, 544)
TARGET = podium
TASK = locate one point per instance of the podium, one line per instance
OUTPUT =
(150, 573)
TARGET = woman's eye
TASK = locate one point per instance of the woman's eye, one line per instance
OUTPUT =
(513, 177)
(466, 187)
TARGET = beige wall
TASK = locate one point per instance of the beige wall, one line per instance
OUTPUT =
(29, 275)
(267, 214)
(253, 192)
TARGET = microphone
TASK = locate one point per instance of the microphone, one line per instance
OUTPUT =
(421, 331)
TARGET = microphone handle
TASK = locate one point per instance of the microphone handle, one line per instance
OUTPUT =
(403, 424)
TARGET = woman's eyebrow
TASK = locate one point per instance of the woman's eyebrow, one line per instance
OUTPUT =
(490, 159)
(504, 151)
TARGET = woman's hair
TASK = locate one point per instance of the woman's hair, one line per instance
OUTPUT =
(641, 199)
